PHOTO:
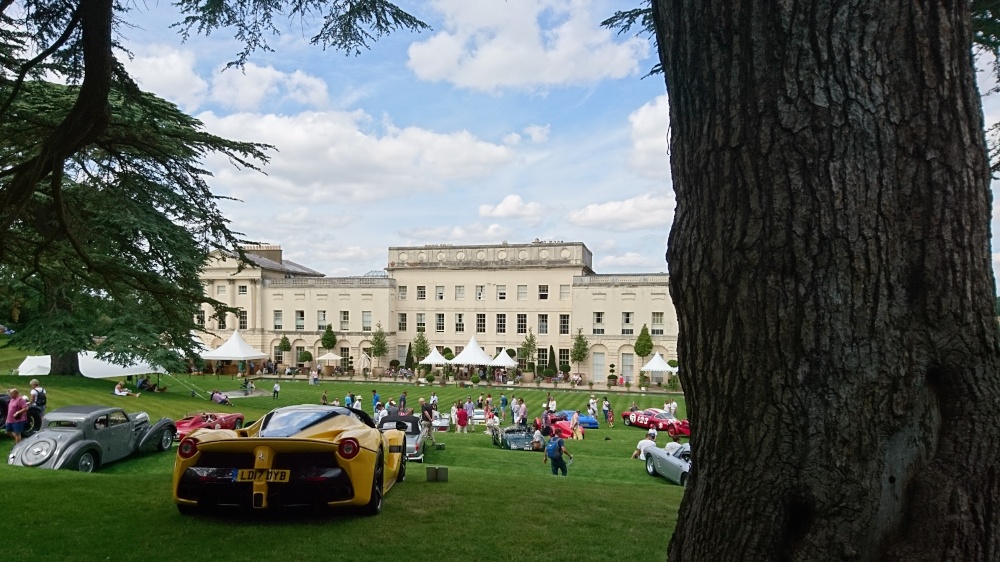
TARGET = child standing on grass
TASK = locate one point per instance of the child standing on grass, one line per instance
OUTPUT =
(275, 390)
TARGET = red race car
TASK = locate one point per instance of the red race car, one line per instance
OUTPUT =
(659, 419)
(207, 420)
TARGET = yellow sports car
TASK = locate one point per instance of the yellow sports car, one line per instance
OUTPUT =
(293, 456)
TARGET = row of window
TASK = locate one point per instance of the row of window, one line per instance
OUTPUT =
(321, 322)
(220, 290)
(542, 355)
(521, 326)
(480, 292)
(241, 319)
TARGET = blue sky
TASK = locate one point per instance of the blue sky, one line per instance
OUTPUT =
(509, 120)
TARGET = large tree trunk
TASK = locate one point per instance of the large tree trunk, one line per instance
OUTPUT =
(830, 266)
(65, 364)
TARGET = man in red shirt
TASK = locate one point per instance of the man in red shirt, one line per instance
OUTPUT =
(463, 420)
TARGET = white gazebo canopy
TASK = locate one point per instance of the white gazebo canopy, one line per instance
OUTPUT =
(435, 358)
(235, 349)
(472, 355)
(658, 365)
(503, 360)
(329, 356)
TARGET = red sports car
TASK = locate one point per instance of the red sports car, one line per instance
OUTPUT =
(208, 420)
(659, 419)
(560, 428)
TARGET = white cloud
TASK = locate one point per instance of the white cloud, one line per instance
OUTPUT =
(649, 139)
(513, 206)
(249, 88)
(512, 139)
(170, 73)
(341, 157)
(537, 133)
(632, 260)
(463, 234)
(305, 89)
(523, 44)
(638, 213)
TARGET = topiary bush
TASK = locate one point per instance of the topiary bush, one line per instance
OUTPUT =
(475, 379)
(429, 378)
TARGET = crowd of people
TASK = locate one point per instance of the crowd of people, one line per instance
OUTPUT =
(462, 414)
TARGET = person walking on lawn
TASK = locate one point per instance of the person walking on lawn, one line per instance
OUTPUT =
(554, 452)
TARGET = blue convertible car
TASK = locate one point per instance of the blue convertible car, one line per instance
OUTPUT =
(587, 422)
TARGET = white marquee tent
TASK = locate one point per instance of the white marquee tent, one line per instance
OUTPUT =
(435, 358)
(90, 367)
(472, 355)
(503, 360)
(658, 365)
(235, 349)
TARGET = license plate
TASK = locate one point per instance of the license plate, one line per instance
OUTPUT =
(260, 475)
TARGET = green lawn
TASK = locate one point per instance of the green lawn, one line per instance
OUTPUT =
(498, 505)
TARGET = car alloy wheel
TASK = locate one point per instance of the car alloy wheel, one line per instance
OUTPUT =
(86, 462)
(166, 439)
(650, 466)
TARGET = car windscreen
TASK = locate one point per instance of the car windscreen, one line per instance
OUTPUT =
(290, 422)
(392, 425)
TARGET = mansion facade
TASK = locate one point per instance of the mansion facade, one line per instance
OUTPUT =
(496, 293)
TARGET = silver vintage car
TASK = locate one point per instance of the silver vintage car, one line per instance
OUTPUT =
(415, 446)
(673, 466)
(85, 437)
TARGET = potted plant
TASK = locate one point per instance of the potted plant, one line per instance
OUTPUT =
(430, 379)
(591, 385)
(548, 374)
(474, 380)
(284, 346)
(329, 343)
(305, 357)
(612, 381)
(643, 381)
(628, 385)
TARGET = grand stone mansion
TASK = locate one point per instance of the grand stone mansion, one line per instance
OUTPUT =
(493, 292)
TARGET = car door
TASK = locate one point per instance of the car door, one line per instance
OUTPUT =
(121, 441)
(109, 435)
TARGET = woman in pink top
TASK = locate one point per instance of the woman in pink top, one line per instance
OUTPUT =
(17, 414)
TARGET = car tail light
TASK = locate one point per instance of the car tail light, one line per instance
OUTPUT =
(187, 449)
(349, 448)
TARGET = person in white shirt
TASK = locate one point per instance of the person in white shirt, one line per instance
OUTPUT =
(672, 446)
(652, 431)
(640, 449)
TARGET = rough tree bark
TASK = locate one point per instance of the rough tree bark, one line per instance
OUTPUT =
(65, 363)
(830, 265)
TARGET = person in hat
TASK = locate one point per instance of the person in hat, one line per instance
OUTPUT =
(640, 449)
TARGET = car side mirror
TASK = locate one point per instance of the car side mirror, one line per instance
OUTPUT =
(402, 426)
